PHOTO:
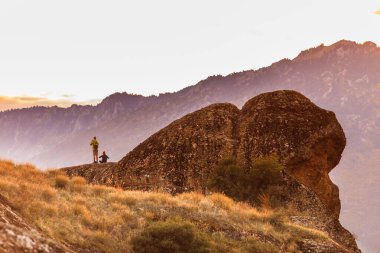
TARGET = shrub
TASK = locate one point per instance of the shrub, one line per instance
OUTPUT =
(246, 184)
(229, 178)
(171, 237)
(221, 201)
(78, 180)
(78, 184)
(80, 210)
(266, 172)
(62, 181)
(48, 194)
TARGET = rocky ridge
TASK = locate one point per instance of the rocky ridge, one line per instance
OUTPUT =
(306, 138)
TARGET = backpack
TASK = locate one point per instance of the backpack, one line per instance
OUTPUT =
(95, 144)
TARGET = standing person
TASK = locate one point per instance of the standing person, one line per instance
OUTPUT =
(95, 145)
(104, 157)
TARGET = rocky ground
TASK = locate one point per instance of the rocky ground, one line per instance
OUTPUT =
(17, 236)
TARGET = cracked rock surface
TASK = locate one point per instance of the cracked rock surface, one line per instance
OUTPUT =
(308, 140)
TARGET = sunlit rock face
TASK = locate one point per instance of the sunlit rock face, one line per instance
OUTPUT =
(178, 158)
(308, 140)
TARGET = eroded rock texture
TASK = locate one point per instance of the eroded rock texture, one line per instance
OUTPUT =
(307, 139)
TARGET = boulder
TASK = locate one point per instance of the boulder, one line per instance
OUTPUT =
(307, 139)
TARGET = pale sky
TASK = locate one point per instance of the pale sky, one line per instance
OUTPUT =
(80, 50)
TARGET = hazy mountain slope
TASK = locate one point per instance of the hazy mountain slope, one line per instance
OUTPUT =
(344, 78)
(29, 132)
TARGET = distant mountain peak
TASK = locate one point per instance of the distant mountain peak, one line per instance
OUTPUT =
(344, 43)
(120, 96)
(339, 48)
(370, 44)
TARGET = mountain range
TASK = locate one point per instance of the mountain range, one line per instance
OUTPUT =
(343, 77)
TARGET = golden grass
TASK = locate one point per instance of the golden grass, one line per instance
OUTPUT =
(62, 181)
(106, 218)
(78, 180)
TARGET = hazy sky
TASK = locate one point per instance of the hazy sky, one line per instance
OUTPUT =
(87, 49)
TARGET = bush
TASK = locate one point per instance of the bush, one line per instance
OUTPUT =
(246, 184)
(78, 180)
(62, 181)
(229, 178)
(221, 201)
(171, 237)
(266, 172)
(48, 194)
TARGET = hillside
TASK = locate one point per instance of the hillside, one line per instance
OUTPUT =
(343, 77)
(18, 236)
(93, 218)
(183, 157)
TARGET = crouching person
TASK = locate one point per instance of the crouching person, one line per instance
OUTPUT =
(104, 157)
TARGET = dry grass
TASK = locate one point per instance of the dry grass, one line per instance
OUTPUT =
(106, 218)
(62, 181)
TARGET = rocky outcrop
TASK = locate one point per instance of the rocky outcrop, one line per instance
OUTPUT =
(307, 139)
(306, 201)
(17, 236)
(177, 158)
(91, 172)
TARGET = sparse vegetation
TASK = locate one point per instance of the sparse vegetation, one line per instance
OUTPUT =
(247, 184)
(174, 236)
(108, 219)
(257, 246)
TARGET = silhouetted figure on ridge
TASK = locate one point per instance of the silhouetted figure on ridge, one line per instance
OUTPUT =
(104, 157)
(95, 145)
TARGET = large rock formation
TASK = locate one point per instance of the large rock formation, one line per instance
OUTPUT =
(308, 139)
